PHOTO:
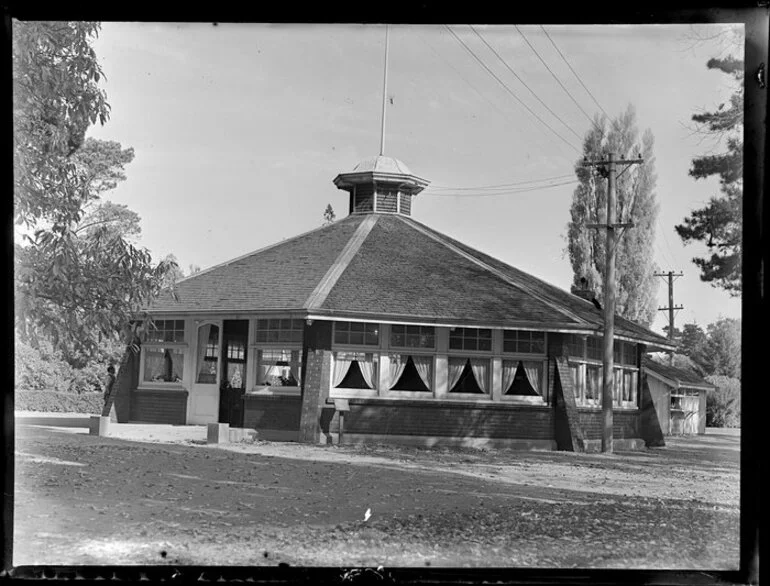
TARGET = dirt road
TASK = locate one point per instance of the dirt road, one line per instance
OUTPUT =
(81, 499)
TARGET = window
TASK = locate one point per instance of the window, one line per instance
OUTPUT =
(576, 346)
(594, 383)
(208, 354)
(594, 348)
(625, 386)
(469, 375)
(522, 378)
(279, 368)
(412, 336)
(165, 330)
(354, 370)
(410, 373)
(165, 365)
(356, 333)
(470, 339)
(280, 330)
(523, 342)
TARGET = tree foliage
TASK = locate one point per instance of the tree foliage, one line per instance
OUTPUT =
(715, 351)
(329, 215)
(718, 224)
(723, 405)
(79, 277)
(636, 285)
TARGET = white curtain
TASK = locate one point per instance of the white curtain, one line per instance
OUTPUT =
(203, 339)
(509, 373)
(341, 367)
(424, 366)
(367, 370)
(533, 374)
(397, 366)
(456, 368)
(480, 369)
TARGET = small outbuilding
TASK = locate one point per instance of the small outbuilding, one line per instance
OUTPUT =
(423, 339)
(679, 397)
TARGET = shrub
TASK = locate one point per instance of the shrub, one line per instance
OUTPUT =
(58, 402)
(723, 405)
(41, 368)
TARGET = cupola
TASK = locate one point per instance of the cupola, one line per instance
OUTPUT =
(381, 185)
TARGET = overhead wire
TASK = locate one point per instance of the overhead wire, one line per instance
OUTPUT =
(503, 61)
(526, 40)
(508, 89)
(573, 71)
(514, 191)
(501, 185)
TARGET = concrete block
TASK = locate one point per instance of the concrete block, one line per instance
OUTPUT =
(239, 434)
(218, 433)
(99, 425)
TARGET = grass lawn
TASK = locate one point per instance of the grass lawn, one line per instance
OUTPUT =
(81, 499)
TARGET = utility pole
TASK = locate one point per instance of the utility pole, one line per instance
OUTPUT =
(607, 169)
(671, 307)
(384, 93)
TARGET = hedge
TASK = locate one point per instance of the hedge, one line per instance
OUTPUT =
(58, 402)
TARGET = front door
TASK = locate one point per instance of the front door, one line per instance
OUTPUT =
(235, 339)
(204, 399)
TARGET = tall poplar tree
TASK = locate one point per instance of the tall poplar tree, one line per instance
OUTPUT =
(636, 286)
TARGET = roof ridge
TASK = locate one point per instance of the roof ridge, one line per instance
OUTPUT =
(341, 263)
(260, 250)
(438, 237)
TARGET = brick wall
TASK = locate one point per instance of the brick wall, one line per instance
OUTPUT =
(159, 406)
(317, 364)
(271, 413)
(461, 420)
(625, 423)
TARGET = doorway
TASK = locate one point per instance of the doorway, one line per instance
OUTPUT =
(232, 385)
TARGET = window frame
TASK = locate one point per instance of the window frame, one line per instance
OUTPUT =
(183, 346)
(488, 395)
(542, 398)
(475, 353)
(517, 351)
(352, 346)
(396, 394)
(262, 389)
(349, 392)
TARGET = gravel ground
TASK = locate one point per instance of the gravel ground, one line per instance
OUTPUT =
(171, 499)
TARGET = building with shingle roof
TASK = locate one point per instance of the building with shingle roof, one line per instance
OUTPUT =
(412, 335)
(679, 396)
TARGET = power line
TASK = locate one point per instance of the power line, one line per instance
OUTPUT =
(573, 71)
(524, 83)
(502, 185)
(554, 76)
(508, 192)
(502, 83)
(449, 63)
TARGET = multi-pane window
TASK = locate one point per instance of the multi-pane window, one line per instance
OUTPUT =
(594, 348)
(412, 336)
(236, 350)
(523, 342)
(576, 346)
(165, 330)
(281, 368)
(354, 370)
(470, 339)
(625, 353)
(356, 333)
(165, 365)
(279, 330)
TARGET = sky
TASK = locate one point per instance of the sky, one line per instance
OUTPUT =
(239, 130)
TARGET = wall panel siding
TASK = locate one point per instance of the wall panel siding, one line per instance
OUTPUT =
(464, 420)
(159, 406)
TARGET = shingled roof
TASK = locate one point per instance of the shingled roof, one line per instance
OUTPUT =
(678, 376)
(389, 267)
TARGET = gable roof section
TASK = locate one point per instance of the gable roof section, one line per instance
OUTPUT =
(401, 270)
(680, 376)
(278, 277)
(582, 308)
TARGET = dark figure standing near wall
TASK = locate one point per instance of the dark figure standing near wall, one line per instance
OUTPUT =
(109, 399)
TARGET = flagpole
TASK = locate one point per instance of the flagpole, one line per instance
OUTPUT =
(384, 94)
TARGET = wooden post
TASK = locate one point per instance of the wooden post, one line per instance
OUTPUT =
(342, 428)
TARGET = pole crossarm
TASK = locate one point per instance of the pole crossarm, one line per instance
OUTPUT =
(611, 226)
(668, 308)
